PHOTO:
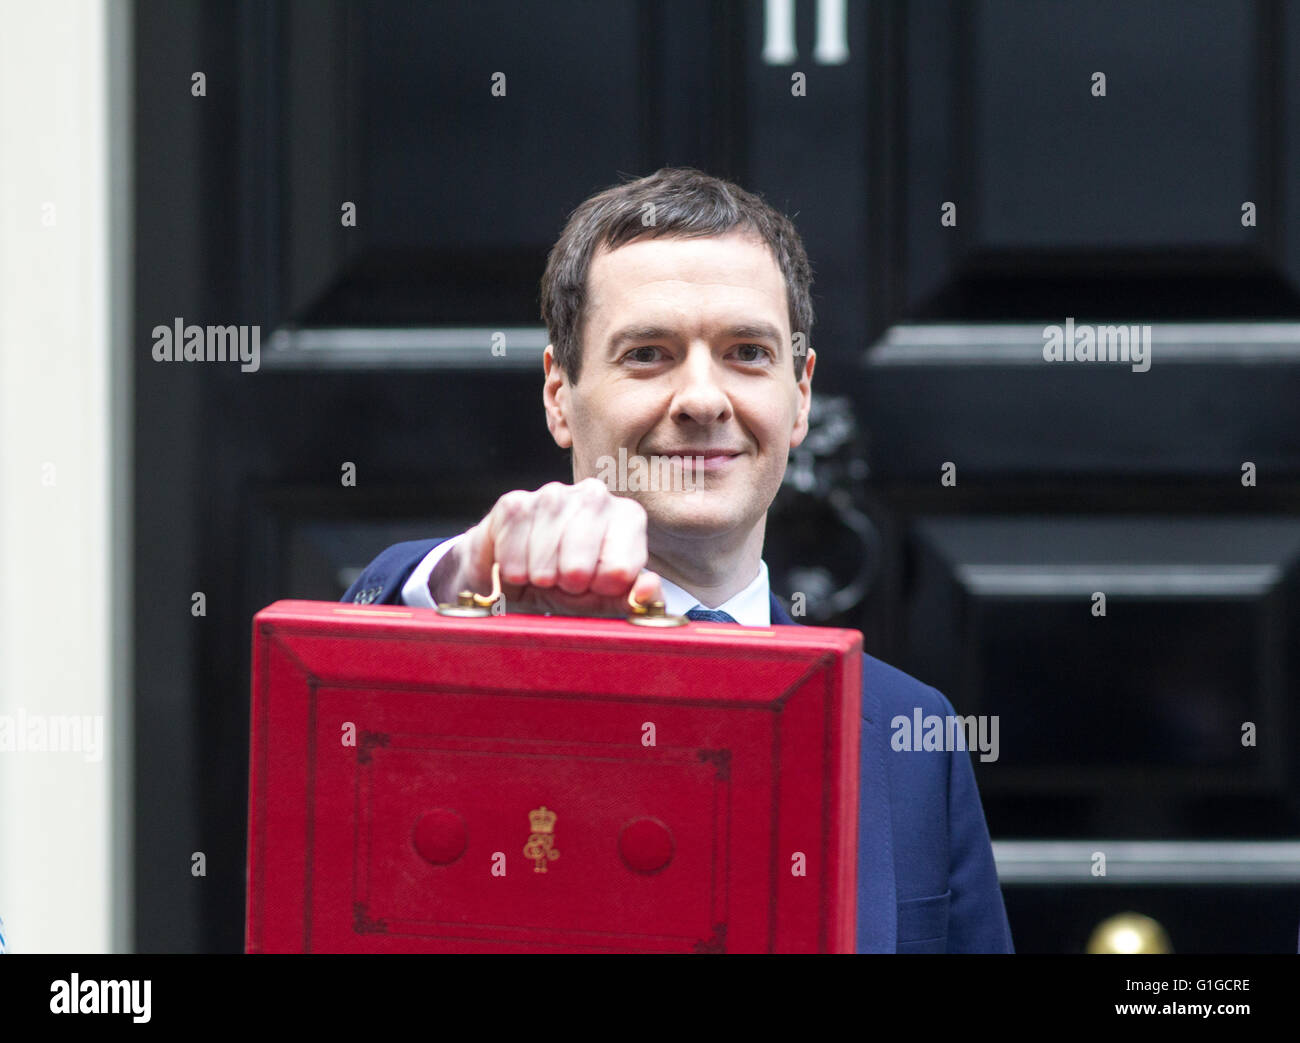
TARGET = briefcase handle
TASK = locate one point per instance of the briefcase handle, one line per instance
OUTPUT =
(468, 603)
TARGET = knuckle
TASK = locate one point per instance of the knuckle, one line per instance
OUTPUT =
(513, 504)
(551, 495)
(591, 494)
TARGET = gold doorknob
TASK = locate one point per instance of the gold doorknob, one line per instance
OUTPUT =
(1130, 933)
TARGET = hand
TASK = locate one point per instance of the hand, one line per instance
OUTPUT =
(573, 550)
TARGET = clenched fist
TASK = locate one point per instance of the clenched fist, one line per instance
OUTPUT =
(573, 550)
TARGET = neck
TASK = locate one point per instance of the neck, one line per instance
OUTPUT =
(711, 570)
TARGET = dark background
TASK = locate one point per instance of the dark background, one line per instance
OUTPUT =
(1070, 477)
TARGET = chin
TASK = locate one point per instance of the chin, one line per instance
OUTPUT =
(694, 517)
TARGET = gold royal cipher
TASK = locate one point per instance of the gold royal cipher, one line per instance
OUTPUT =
(540, 844)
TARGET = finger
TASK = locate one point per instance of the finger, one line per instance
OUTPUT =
(509, 526)
(647, 588)
(582, 535)
(549, 506)
(622, 551)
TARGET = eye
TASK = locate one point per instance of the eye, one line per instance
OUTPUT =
(753, 352)
(644, 354)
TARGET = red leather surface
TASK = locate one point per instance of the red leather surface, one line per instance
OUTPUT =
(398, 756)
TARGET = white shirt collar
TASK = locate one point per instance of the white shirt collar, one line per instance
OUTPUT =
(751, 606)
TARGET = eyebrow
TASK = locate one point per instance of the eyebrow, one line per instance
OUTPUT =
(643, 333)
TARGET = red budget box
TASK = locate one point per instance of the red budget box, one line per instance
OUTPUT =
(426, 783)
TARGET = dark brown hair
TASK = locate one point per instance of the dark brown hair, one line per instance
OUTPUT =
(687, 203)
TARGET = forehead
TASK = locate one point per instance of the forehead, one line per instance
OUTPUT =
(716, 276)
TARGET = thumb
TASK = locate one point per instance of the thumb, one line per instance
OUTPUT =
(647, 588)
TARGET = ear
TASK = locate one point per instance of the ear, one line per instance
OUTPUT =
(555, 398)
(804, 389)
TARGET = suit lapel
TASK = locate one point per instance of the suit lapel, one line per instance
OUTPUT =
(877, 913)
(779, 615)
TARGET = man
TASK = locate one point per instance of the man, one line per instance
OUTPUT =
(673, 304)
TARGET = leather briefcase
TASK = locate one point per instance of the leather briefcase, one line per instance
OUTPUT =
(429, 783)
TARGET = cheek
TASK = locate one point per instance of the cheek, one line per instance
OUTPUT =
(629, 414)
(612, 419)
(771, 422)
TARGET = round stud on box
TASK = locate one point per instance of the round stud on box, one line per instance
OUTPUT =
(645, 845)
(440, 836)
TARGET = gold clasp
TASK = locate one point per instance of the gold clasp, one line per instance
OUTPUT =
(470, 604)
(652, 614)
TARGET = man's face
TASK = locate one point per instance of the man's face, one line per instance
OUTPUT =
(687, 353)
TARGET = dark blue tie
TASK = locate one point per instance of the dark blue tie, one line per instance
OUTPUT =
(709, 615)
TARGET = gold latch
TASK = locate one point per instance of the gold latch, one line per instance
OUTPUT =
(470, 604)
(652, 614)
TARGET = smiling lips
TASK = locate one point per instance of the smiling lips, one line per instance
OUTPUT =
(714, 459)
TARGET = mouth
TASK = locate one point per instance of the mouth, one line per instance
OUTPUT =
(713, 459)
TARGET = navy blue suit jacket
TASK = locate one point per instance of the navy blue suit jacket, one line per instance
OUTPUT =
(926, 878)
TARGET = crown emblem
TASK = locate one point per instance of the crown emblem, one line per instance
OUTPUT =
(541, 843)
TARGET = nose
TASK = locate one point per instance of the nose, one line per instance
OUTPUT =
(699, 395)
